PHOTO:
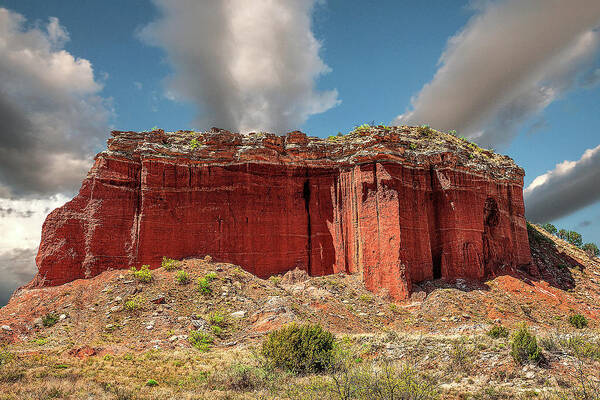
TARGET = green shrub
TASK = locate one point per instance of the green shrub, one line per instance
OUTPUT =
(132, 305)
(216, 330)
(424, 130)
(151, 383)
(169, 264)
(204, 286)
(524, 347)
(218, 319)
(299, 349)
(211, 276)
(498, 331)
(591, 249)
(49, 319)
(5, 357)
(574, 238)
(578, 321)
(551, 229)
(200, 340)
(143, 275)
(182, 277)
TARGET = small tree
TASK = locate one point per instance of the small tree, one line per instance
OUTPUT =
(524, 347)
(551, 229)
(563, 234)
(299, 349)
(591, 249)
(574, 238)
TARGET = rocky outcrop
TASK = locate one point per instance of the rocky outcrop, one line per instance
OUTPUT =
(397, 205)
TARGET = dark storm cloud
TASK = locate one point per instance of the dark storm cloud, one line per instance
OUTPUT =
(52, 118)
(249, 65)
(17, 267)
(569, 187)
(510, 61)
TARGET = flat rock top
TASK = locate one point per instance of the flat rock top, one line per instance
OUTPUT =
(416, 146)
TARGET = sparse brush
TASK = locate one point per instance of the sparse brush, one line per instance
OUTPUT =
(151, 383)
(211, 276)
(169, 264)
(49, 319)
(200, 340)
(204, 286)
(524, 347)
(143, 274)
(218, 319)
(182, 277)
(5, 357)
(132, 304)
(424, 130)
(498, 331)
(299, 349)
(578, 321)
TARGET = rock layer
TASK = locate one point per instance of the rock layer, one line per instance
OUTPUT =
(397, 205)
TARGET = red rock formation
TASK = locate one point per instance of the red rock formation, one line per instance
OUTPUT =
(391, 204)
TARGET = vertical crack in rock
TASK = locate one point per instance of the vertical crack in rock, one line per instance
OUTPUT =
(434, 241)
(306, 196)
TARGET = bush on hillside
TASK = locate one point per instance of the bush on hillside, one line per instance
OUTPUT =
(498, 331)
(578, 321)
(169, 264)
(143, 275)
(551, 229)
(591, 249)
(524, 347)
(299, 349)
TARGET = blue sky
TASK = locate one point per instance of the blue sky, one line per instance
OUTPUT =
(381, 54)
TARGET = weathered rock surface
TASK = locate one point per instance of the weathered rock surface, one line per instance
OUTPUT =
(397, 205)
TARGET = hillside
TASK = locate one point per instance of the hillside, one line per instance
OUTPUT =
(112, 333)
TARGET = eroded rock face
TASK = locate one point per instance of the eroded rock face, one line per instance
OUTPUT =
(391, 204)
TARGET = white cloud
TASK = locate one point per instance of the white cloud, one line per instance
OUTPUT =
(510, 61)
(53, 119)
(21, 225)
(248, 65)
(570, 186)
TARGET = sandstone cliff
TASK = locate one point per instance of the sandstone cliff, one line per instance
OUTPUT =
(397, 205)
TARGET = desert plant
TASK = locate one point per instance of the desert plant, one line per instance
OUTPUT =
(200, 340)
(461, 356)
(143, 274)
(551, 229)
(210, 276)
(49, 319)
(5, 357)
(218, 319)
(498, 331)
(524, 346)
(591, 249)
(182, 277)
(169, 264)
(299, 348)
(574, 238)
(424, 130)
(194, 144)
(132, 305)
(204, 286)
(151, 383)
(578, 321)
